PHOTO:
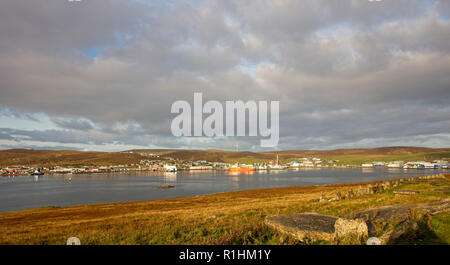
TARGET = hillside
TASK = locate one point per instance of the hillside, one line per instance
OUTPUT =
(29, 157)
(351, 156)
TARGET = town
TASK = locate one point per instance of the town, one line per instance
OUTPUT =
(154, 162)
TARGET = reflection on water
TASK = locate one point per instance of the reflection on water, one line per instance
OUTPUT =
(237, 173)
(170, 176)
(22, 192)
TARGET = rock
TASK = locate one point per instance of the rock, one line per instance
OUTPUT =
(304, 226)
(443, 189)
(369, 189)
(314, 227)
(323, 198)
(407, 226)
(435, 207)
(391, 215)
(360, 191)
(381, 217)
(350, 194)
(437, 184)
(380, 187)
(345, 228)
(338, 196)
(406, 192)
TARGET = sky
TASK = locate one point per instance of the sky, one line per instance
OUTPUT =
(102, 74)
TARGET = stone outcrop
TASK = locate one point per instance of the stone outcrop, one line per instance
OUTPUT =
(347, 228)
(381, 217)
(443, 189)
(399, 217)
(435, 207)
(314, 227)
(370, 189)
(360, 191)
(373, 188)
(407, 226)
(304, 226)
(350, 194)
(406, 192)
(391, 222)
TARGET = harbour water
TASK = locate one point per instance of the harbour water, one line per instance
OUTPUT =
(25, 192)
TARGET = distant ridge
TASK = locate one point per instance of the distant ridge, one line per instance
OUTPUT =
(352, 156)
(219, 155)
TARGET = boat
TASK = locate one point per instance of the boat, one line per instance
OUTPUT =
(395, 165)
(169, 168)
(242, 168)
(294, 164)
(277, 165)
(37, 172)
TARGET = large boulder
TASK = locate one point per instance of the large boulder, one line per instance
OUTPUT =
(382, 219)
(345, 228)
(405, 227)
(389, 222)
(323, 198)
(361, 191)
(304, 226)
(350, 194)
(315, 227)
(406, 192)
(435, 207)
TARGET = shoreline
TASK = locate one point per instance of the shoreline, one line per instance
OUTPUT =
(226, 170)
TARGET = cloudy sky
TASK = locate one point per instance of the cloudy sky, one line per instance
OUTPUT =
(103, 74)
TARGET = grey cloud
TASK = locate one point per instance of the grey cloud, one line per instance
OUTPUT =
(59, 27)
(76, 124)
(345, 72)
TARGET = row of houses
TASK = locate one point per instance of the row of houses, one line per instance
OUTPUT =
(24, 170)
(406, 165)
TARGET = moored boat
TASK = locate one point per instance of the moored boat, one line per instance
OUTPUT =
(242, 168)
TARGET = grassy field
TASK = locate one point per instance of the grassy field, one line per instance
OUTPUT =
(225, 218)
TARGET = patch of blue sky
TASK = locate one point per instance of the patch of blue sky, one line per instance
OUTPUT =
(421, 6)
(91, 53)
(248, 68)
(95, 51)
(334, 30)
(37, 121)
